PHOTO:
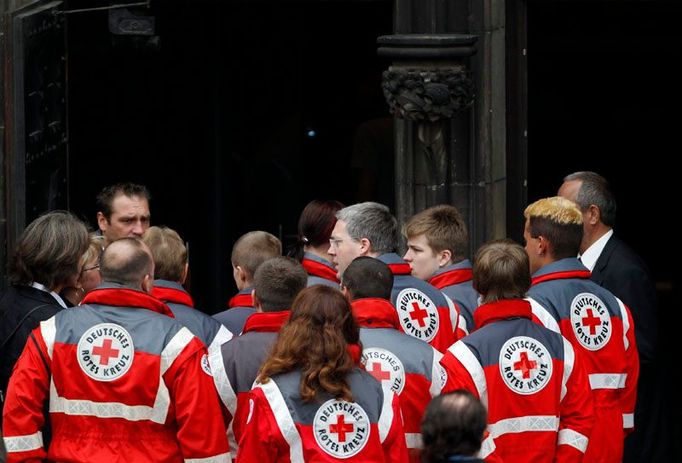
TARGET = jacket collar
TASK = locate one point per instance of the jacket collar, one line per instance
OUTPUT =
(241, 299)
(569, 267)
(373, 312)
(266, 322)
(501, 310)
(452, 274)
(397, 265)
(120, 296)
(319, 267)
(169, 291)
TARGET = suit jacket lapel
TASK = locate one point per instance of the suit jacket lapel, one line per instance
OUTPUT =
(603, 260)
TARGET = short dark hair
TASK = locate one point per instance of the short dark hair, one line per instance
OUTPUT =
(277, 282)
(596, 190)
(49, 250)
(105, 198)
(501, 271)
(368, 277)
(453, 424)
(126, 261)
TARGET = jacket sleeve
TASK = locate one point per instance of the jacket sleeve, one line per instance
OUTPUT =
(463, 370)
(391, 430)
(628, 395)
(27, 392)
(576, 408)
(261, 441)
(459, 324)
(200, 426)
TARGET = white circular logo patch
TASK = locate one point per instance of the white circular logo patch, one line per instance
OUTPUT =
(205, 365)
(105, 352)
(341, 428)
(385, 367)
(591, 321)
(525, 365)
(418, 314)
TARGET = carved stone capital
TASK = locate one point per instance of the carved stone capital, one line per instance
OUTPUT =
(427, 95)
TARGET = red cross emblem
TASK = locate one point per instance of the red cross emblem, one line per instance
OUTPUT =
(525, 365)
(418, 314)
(379, 373)
(591, 321)
(105, 352)
(341, 427)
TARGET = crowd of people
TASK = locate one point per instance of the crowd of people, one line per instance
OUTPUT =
(342, 351)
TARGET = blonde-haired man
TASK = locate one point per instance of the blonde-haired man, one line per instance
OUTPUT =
(171, 266)
(596, 323)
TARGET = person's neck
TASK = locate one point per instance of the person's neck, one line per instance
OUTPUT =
(318, 251)
(243, 285)
(592, 235)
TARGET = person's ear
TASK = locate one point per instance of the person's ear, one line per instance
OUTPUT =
(241, 274)
(102, 221)
(148, 283)
(444, 257)
(345, 292)
(543, 245)
(256, 303)
(593, 214)
(365, 246)
(183, 275)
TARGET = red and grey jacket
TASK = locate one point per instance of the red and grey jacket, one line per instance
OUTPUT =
(240, 308)
(598, 324)
(123, 384)
(282, 428)
(456, 282)
(409, 367)
(423, 312)
(211, 332)
(530, 379)
(235, 366)
(320, 271)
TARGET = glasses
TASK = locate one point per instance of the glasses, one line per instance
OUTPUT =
(92, 267)
(334, 242)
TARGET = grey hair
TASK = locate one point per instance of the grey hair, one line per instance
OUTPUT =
(374, 222)
(596, 190)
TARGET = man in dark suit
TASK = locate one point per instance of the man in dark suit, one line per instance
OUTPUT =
(616, 267)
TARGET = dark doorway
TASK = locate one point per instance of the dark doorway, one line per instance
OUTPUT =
(604, 95)
(239, 115)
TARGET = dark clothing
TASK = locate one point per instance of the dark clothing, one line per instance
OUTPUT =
(625, 274)
(22, 308)
(620, 270)
(241, 308)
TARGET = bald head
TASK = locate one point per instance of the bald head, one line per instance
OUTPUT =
(128, 262)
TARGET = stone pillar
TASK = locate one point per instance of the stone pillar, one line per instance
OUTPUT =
(439, 90)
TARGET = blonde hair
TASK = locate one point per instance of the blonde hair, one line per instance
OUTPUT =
(557, 209)
(169, 252)
(559, 221)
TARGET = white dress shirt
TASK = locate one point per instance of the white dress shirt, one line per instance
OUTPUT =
(591, 254)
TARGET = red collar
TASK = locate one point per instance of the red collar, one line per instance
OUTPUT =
(241, 300)
(373, 312)
(266, 322)
(173, 295)
(125, 297)
(400, 269)
(561, 276)
(452, 277)
(318, 269)
(501, 310)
